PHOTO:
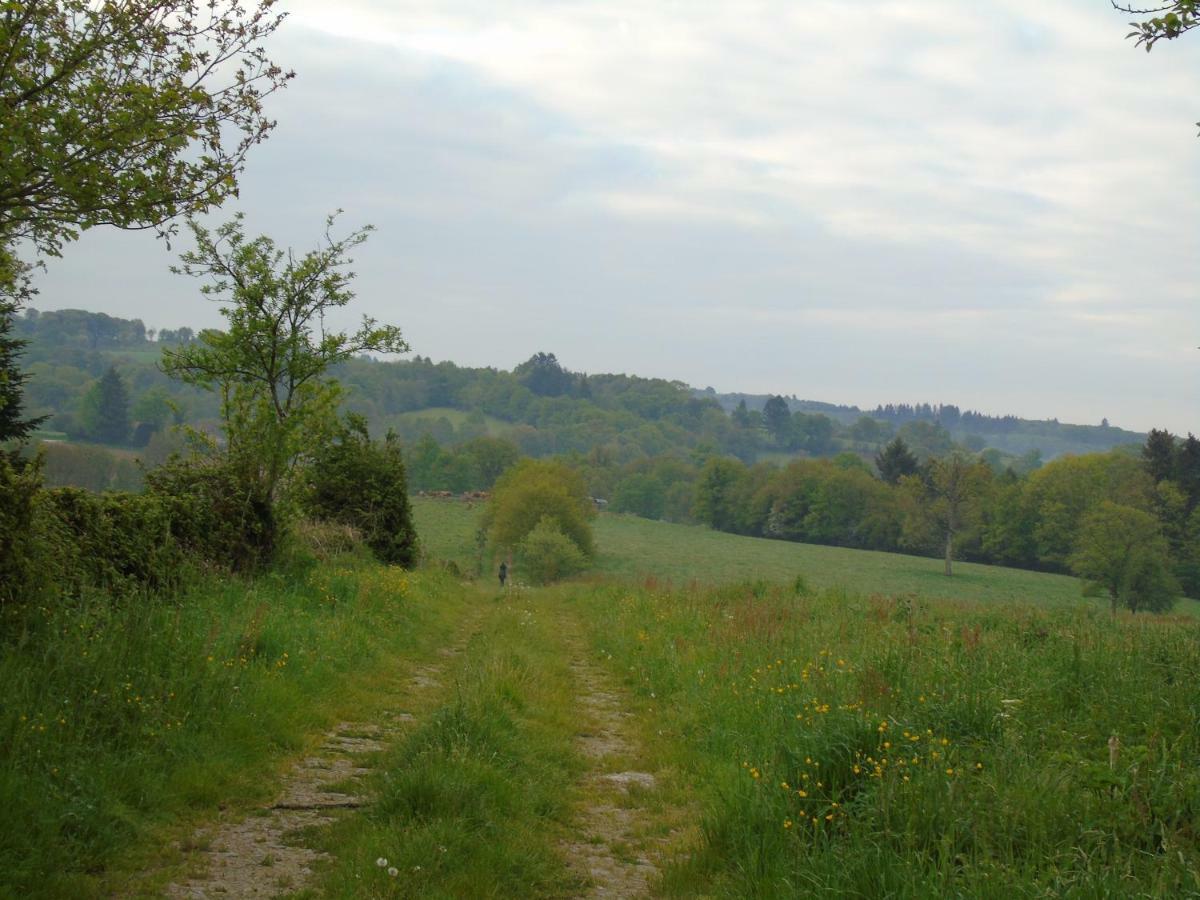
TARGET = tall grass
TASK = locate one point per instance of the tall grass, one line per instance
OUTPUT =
(878, 747)
(120, 718)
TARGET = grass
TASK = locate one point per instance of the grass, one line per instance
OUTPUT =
(473, 801)
(458, 418)
(633, 548)
(119, 721)
(866, 747)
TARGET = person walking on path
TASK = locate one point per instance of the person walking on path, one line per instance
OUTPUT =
(503, 573)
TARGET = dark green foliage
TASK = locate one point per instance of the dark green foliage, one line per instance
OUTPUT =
(546, 554)
(895, 461)
(544, 376)
(777, 418)
(715, 498)
(15, 426)
(360, 482)
(1121, 551)
(19, 551)
(214, 516)
(105, 409)
(119, 543)
(1159, 454)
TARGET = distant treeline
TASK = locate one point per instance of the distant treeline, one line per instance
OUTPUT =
(95, 377)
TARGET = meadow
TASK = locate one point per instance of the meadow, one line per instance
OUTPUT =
(633, 548)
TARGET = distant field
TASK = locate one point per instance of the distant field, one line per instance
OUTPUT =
(631, 547)
(456, 417)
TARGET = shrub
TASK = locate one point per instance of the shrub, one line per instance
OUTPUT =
(214, 516)
(534, 490)
(361, 483)
(120, 543)
(19, 485)
(546, 554)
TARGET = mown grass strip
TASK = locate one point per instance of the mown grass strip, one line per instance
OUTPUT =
(473, 802)
(124, 724)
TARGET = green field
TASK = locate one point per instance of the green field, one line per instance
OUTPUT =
(456, 417)
(634, 548)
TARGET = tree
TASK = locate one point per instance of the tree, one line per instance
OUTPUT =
(536, 490)
(1159, 454)
(777, 417)
(14, 425)
(546, 554)
(360, 482)
(105, 409)
(127, 113)
(543, 375)
(270, 366)
(716, 504)
(946, 497)
(1177, 17)
(895, 461)
(741, 415)
(1121, 551)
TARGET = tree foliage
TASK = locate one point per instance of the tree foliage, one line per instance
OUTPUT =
(361, 482)
(895, 461)
(127, 113)
(105, 409)
(271, 363)
(1121, 550)
(947, 498)
(534, 490)
(546, 554)
(1166, 21)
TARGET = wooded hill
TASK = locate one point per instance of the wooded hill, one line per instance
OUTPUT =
(541, 406)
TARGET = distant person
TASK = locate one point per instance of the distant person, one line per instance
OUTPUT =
(503, 573)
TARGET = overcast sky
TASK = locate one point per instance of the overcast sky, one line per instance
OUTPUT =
(989, 204)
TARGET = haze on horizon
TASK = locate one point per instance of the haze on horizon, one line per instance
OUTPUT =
(995, 206)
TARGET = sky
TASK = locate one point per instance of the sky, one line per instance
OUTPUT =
(995, 205)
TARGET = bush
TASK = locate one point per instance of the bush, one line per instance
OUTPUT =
(534, 490)
(361, 483)
(19, 485)
(546, 554)
(120, 543)
(214, 516)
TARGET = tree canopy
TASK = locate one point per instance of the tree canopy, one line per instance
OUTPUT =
(127, 113)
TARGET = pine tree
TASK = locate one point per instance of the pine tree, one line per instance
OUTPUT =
(1159, 454)
(895, 461)
(106, 409)
(13, 426)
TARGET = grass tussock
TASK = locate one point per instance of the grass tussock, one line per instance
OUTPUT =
(880, 747)
(120, 718)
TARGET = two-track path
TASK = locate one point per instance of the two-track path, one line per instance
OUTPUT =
(620, 833)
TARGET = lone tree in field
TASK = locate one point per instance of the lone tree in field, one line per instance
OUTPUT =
(944, 501)
(541, 510)
(271, 363)
(1122, 551)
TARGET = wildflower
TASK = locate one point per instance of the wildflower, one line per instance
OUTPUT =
(787, 823)
(393, 871)
(381, 862)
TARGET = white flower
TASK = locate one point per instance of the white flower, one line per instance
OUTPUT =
(393, 871)
(381, 862)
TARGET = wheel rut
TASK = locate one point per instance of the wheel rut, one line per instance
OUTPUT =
(264, 854)
(610, 849)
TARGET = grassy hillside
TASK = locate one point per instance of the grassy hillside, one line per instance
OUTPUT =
(634, 548)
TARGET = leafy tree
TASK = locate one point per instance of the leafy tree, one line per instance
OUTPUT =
(1176, 18)
(489, 457)
(777, 418)
(895, 461)
(359, 482)
(741, 415)
(546, 554)
(947, 497)
(1121, 551)
(543, 375)
(715, 493)
(105, 409)
(126, 114)
(641, 494)
(534, 490)
(271, 365)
